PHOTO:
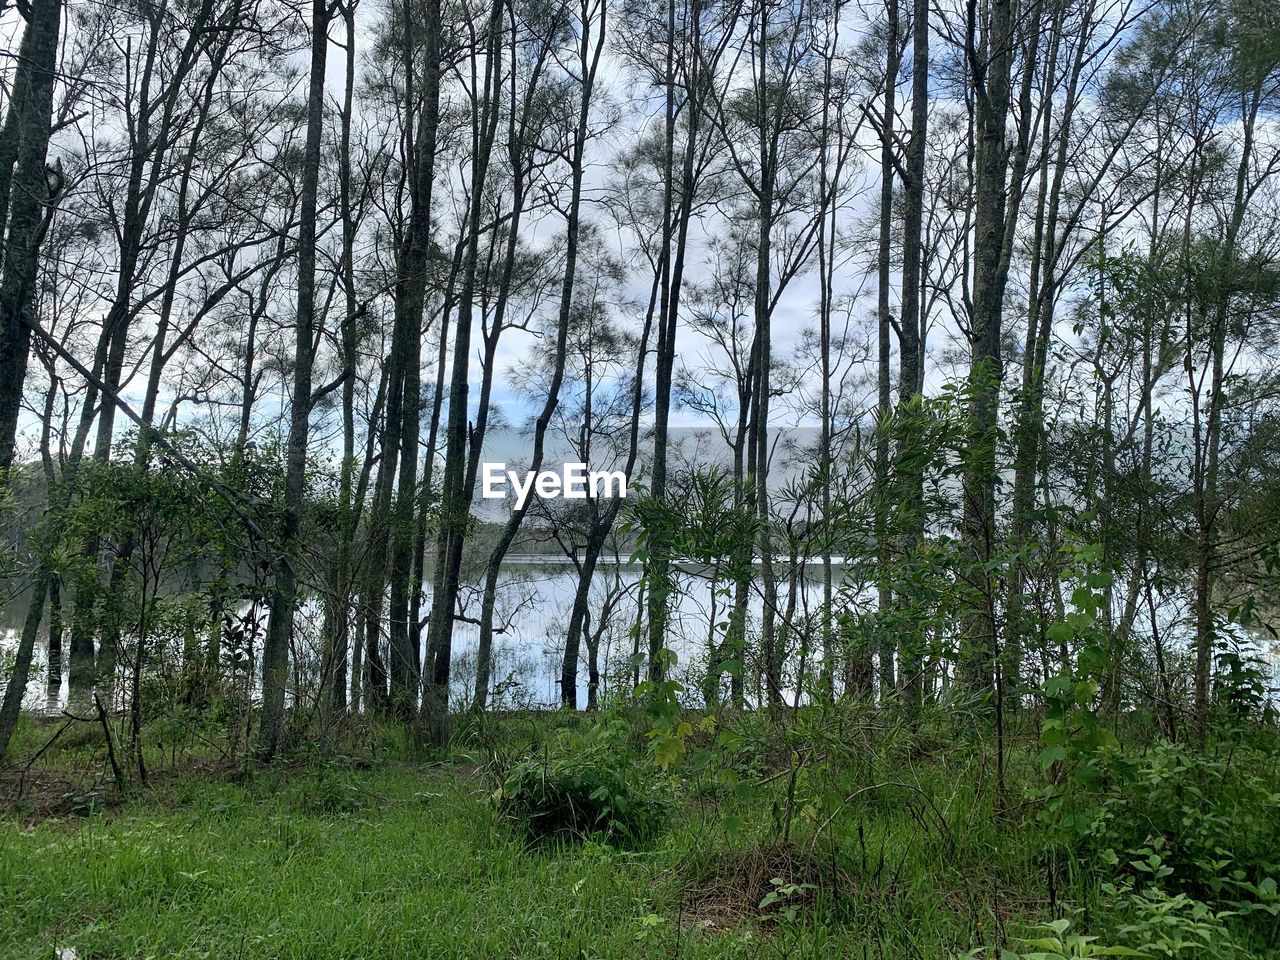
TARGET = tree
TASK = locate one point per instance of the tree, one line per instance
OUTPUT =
(27, 191)
(275, 653)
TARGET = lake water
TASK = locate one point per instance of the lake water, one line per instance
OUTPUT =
(534, 602)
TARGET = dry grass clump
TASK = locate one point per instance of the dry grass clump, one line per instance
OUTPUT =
(760, 884)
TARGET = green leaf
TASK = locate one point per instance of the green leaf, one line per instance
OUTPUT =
(1051, 755)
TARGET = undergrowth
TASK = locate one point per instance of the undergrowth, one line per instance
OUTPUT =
(840, 834)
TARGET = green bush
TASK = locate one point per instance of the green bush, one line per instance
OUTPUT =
(1162, 927)
(1192, 823)
(1158, 924)
(586, 783)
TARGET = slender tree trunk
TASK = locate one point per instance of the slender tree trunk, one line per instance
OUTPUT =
(1208, 440)
(410, 297)
(338, 608)
(521, 159)
(830, 186)
(275, 653)
(676, 213)
(767, 120)
(1029, 424)
(910, 466)
(455, 498)
(589, 53)
(883, 325)
(25, 226)
(989, 68)
(26, 194)
(11, 134)
(579, 617)
(17, 685)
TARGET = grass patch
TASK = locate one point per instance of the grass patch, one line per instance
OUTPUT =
(400, 861)
(383, 857)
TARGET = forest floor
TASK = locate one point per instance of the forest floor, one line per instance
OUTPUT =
(394, 858)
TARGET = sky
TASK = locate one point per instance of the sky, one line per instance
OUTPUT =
(626, 92)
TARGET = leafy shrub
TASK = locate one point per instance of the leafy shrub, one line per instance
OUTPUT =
(1158, 924)
(1054, 941)
(586, 783)
(1195, 824)
(753, 743)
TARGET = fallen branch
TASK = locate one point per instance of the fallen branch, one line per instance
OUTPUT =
(111, 750)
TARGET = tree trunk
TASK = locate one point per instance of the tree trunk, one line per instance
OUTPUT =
(910, 467)
(275, 652)
(883, 325)
(455, 497)
(989, 68)
(26, 195)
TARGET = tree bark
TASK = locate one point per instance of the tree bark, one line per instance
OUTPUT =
(884, 323)
(910, 466)
(275, 651)
(26, 194)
